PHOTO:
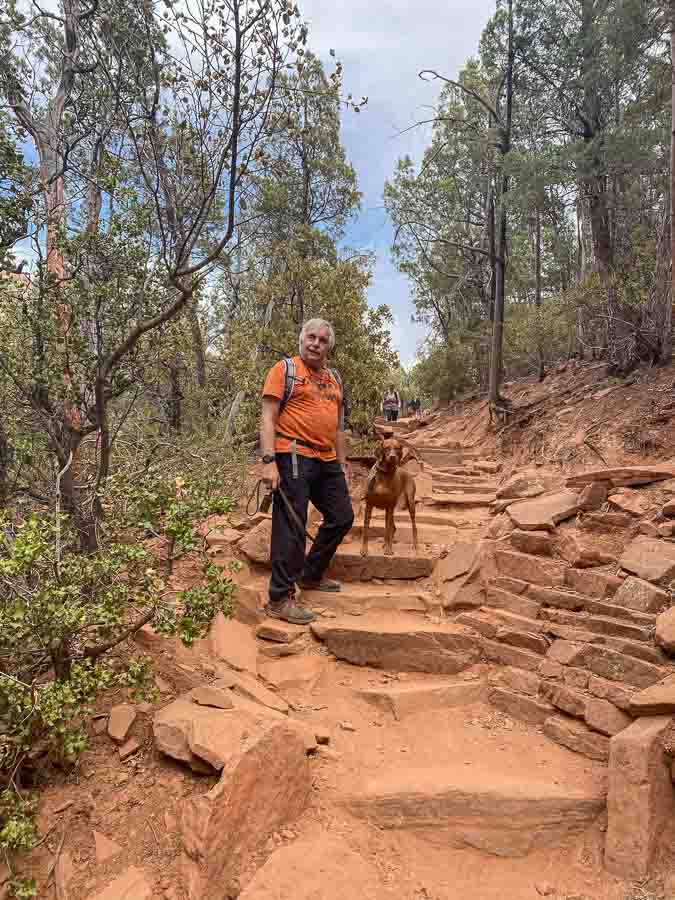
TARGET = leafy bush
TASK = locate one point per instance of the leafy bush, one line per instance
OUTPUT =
(65, 617)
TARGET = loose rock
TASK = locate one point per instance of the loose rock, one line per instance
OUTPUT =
(121, 719)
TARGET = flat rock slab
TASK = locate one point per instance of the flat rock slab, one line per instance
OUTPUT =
(323, 867)
(657, 700)
(459, 560)
(132, 884)
(403, 565)
(545, 512)
(577, 737)
(262, 790)
(412, 699)
(298, 672)
(233, 643)
(401, 646)
(495, 812)
(650, 559)
(622, 476)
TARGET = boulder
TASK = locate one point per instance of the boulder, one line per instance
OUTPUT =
(657, 700)
(206, 738)
(650, 559)
(233, 643)
(132, 884)
(666, 530)
(664, 636)
(403, 647)
(640, 799)
(121, 719)
(603, 716)
(256, 544)
(635, 593)
(322, 866)
(519, 487)
(577, 737)
(668, 509)
(619, 476)
(536, 542)
(593, 496)
(263, 789)
(545, 512)
(581, 553)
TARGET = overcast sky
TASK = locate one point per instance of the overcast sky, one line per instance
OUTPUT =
(383, 45)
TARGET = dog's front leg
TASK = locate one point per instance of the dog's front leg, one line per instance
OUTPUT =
(366, 526)
(389, 528)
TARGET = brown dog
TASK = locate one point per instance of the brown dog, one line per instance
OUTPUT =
(388, 482)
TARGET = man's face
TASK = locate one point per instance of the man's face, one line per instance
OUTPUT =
(315, 347)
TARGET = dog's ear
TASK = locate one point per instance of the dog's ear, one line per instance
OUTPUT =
(410, 454)
(399, 453)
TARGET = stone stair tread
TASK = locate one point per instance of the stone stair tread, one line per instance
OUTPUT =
(451, 499)
(515, 603)
(522, 623)
(605, 625)
(401, 643)
(507, 812)
(575, 602)
(507, 655)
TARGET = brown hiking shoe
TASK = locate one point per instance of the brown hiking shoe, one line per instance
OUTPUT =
(327, 585)
(287, 610)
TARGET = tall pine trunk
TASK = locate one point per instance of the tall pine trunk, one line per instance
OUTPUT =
(502, 234)
(667, 337)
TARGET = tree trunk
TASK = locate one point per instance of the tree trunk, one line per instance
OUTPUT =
(667, 337)
(537, 286)
(233, 413)
(500, 281)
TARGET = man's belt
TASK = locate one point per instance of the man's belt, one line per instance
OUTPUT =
(295, 443)
(308, 444)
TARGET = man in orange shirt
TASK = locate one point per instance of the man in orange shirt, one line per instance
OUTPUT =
(304, 452)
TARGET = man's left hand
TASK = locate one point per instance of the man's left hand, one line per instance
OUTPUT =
(347, 469)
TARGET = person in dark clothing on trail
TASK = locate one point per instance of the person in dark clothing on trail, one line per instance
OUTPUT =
(305, 453)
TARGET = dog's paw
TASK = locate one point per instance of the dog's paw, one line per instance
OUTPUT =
(364, 553)
(388, 551)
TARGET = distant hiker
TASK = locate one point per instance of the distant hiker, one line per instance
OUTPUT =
(305, 457)
(417, 409)
(391, 404)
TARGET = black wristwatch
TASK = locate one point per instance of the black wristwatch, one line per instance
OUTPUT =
(269, 458)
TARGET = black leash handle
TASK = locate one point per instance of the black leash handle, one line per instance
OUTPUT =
(263, 504)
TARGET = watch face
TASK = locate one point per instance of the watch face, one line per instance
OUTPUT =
(268, 458)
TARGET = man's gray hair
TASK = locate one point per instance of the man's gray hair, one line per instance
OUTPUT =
(316, 325)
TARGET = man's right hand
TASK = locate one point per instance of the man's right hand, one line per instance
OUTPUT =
(270, 475)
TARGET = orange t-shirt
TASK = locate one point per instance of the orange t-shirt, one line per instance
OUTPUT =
(313, 412)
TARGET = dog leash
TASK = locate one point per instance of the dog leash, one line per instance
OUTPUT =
(264, 505)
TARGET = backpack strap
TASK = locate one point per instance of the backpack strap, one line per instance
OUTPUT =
(344, 409)
(289, 381)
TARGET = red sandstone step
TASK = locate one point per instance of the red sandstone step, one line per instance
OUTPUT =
(604, 625)
(507, 655)
(530, 710)
(514, 603)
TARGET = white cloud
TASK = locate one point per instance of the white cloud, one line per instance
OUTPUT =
(383, 47)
